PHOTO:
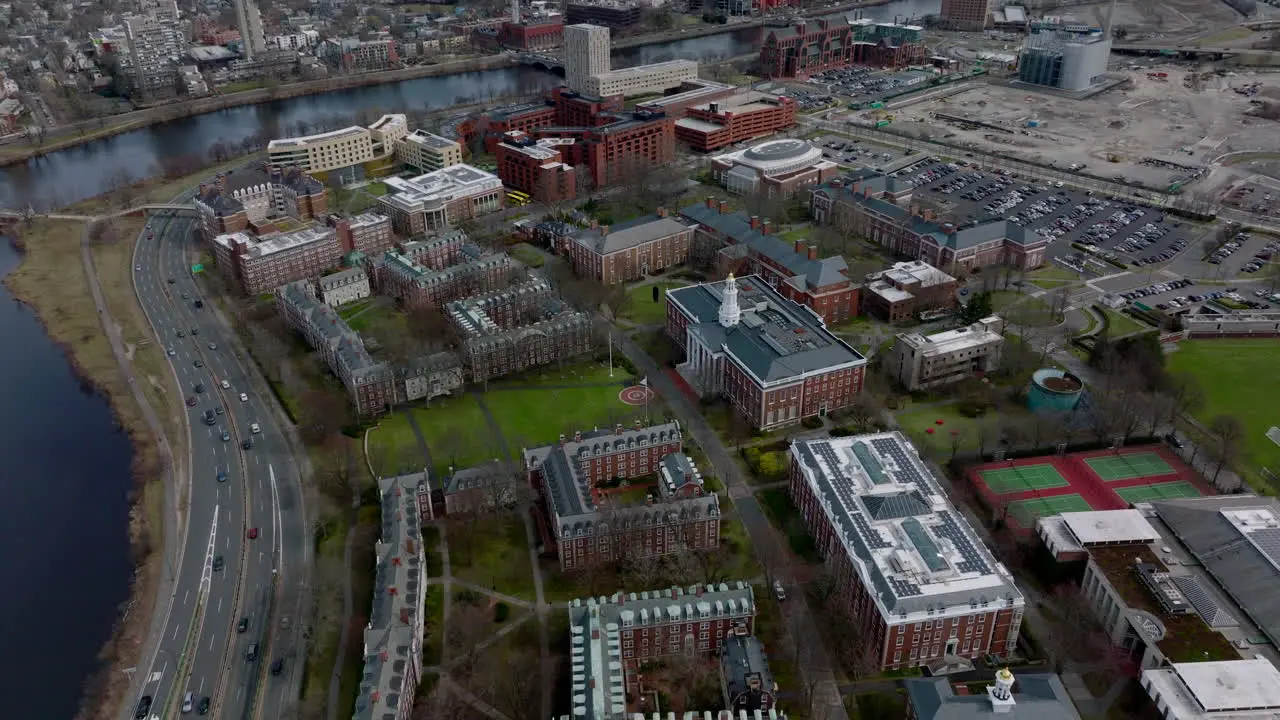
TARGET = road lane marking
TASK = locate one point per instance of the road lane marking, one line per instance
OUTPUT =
(186, 596)
(174, 636)
(219, 610)
(212, 637)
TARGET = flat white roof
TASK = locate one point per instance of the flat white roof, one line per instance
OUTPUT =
(888, 292)
(1222, 689)
(297, 142)
(699, 125)
(652, 69)
(1110, 526)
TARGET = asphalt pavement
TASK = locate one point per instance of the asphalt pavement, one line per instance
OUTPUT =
(260, 578)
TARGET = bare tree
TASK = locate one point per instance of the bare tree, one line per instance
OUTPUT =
(1230, 433)
(863, 411)
(104, 232)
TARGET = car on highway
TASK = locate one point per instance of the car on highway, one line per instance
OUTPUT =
(244, 397)
(252, 653)
(199, 363)
(218, 410)
(191, 401)
(172, 352)
(138, 268)
(195, 331)
(144, 707)
(247, 443)
(277, 666)
(253, 533)
(226, 436)
(213, 346)
(188, 702)
(225, 385)
(779, 591)
(199, 387)
(172, 281)
(222, 476)
(253, 428)
(199, 304)
(186, 296)
(203, 707)
(181, 334)
(217, 563)
(243, 625)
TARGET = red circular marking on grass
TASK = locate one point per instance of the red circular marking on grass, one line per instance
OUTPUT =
(635, 395)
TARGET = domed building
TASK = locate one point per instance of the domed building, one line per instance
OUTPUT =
(777, 168)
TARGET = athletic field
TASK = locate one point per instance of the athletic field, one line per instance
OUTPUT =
(1021, 478)
(1025, 512)
(1114, 468)
(1158, 491)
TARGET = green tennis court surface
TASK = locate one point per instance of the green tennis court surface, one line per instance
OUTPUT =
(1126, 467)
(1023, 478)
(1158, 491)
(1025, 512)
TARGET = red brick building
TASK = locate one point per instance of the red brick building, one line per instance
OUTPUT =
(248, 199)
(919, 585)
(630, 250)
(907, 288)
(572, 477)
(795, 271)
(806, 49)
(534, 34)
(369, 233)
(749, 115)
(773, 359)
(561, 107)
(537, 167)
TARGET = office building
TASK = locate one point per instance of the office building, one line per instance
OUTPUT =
(586, 53)
(747, 245)
(537, 167)
(773, 359)
(1221, 690)
(339, 149)
(571, 477)
(1064, 60)
(907, 288)
(690, 93)
(440, 199)
(918, 583)
(344, 286)
(252, 40)
(808, 48)
(534, 33)
(561, 108)
(877, 207)
(745, 116)
(1030, 695)
(970, 15)
(642, 79)
(512, 329)
(613, 14)
(773, 168)
(629, 250)
(370, 384)
(425, 151)
(261, 263)
(249, 198)
(394, 635)
(923, 361)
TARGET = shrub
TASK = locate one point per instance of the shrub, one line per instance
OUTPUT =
(500, 612)
(893, 402)
(773, 464)
(972, 408)
(813, 422)
(842, 431)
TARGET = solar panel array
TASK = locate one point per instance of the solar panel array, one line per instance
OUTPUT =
(970, 559)
(1213, 614)
(906, 469)
(1268, 541)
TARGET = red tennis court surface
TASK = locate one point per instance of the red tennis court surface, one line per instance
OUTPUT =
(1084, 481)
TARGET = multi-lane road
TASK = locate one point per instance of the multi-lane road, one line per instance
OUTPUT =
(244, 555)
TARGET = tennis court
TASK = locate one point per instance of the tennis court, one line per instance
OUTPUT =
(1021, 478)
(1025, 512)
(1113, 468)
(1158, 491)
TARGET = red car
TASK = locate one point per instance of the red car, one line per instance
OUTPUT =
(253, 533)
(191, 402)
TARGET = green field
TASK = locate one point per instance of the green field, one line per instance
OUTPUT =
(1119, 324)
(1050, 277)
(642, 310)
(1158, 491)
(1238, 378)
(915, 421)
(1021, 309)
(528, 255)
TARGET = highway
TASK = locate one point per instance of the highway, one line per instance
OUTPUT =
(225, 575)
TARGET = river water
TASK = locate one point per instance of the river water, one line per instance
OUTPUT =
(64, 496)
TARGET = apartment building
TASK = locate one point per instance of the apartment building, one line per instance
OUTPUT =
(394, 635)
(568, 477)
(923, 361)
(586, 53)
(641, 79)
(344, 286)
(248, 198)
(742, 117)
(874, 206)
(148, 46)
(967, 15)
(368, 233)
(537, 167)
(370, 384)
(744, 675)
(339, 149)
(440, 199)
(795, 271)
(808, 48)
(426, 151)
(630, 250)
(613, 14)
(402, 275)
(351, 54)
(907, 288)
(917, 580)
(773, 169)
(261, 263)
(429, 377)
(773, 359)
(516, 328)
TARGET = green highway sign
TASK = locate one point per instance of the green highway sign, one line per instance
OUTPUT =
(197, 268)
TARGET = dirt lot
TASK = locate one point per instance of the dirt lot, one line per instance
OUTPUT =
(1114, 132)
(1159, 18)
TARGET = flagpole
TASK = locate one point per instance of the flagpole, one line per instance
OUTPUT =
(610, 332)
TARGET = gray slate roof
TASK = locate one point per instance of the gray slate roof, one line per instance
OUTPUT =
(776, 339)
(1036, 697)
(737, 227)
(629, 234)
(1235, 563)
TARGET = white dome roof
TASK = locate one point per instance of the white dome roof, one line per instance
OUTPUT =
(776, 157)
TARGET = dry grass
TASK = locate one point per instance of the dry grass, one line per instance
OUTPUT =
(52, 281)
(157, 189)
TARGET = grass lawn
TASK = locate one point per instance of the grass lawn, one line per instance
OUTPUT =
(346, 311)
(777, 505)
(528, 255)
(1119, 324)
(379, 319)
(1021, 309)
(800, 233)
(1053, 276)
(642, 310)
(1232, 374)
(537, 416)
(497, 559)
(915, 421)
(242, 86)
(353, 201)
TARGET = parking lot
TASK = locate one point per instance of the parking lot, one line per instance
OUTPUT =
(861, 85)
(860, 153)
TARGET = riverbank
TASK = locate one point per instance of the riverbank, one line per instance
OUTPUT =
(706, 30)
(141, 119)
(47, 281)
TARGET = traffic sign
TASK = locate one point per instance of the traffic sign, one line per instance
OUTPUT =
(197, 268)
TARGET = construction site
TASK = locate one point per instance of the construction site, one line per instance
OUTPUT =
(1161, 126)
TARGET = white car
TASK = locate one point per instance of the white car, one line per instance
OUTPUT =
(779, 591)
(226, 385)
(244, 397)
(253, 428)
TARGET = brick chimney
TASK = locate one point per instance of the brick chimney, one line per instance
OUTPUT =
(766, 226)
(799, 247)
(813, 252)
(617, 429)
(577, 436)
(948, 228)
(604, 229)
(662, 212)
(638, 425)
(561, 438)
(755, 222)
(724, 207)
(711, 203)
(857, 187)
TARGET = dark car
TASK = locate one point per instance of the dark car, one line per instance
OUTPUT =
(1173, 440)
(199, 387)
(199, 303)
(277, 666)
(191, 401)
(199, 363)
(144, 707)
(252, 653)
(203, 707)
(172, 281)
(222, 476)
(243, 625)
(195, 331)
(217, 563)
(247, 443)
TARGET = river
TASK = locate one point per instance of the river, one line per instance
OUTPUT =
(64, 498)
(64, 507)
